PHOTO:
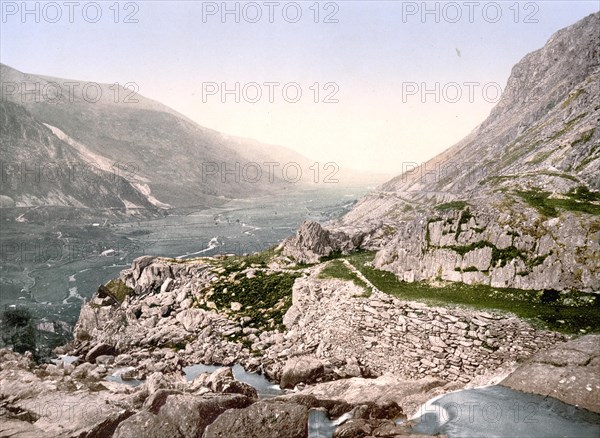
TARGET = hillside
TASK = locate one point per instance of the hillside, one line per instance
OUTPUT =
(160, 151)
(39, 168)
(516, 202)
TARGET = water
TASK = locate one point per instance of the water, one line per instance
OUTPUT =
(264, 387)
(52, 279)
(497, 411)
(319, 424)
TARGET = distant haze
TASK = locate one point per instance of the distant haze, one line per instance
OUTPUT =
(177, 50)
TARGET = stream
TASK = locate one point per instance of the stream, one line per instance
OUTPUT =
(486, 412)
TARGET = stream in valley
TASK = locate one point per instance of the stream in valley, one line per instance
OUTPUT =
(52, 276)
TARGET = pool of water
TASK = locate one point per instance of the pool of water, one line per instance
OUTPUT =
(264, 387)
(498, 411)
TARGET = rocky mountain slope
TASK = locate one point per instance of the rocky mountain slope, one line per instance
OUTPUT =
(515, 203)
(40, 168)
(169, 159)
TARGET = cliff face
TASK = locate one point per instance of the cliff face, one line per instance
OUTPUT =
(515, 203)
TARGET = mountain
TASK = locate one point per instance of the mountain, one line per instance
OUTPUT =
(39, 168)
(167, 158)
(516, 202)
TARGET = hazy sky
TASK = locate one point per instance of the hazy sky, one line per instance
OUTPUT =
(376, 59)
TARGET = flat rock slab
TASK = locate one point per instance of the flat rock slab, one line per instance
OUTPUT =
(569, 372)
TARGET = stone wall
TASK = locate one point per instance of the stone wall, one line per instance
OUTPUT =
(408, 339)
(331, 320)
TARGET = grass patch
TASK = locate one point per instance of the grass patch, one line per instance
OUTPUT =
(594, 154)
(571, 98)
(568, 126)
(499, 256)
(333, 255)
(540, 157)
(465, 217)
(118, 289)
(580, 199)
(338, 269)
(585, 137)
(265, 298)
(261, 259)
(569, 313)
(454, 205)
(566, 312)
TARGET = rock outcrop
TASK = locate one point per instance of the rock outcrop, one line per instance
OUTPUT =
(313, 242)
(569, 372)
(511, 248)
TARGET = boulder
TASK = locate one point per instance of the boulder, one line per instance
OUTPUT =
(191, 413)
(261, 420)
(100, 350)
(148, 425)
(312, 242)
(157, 399)
(304, 369)
(191, 319)
(569, 372)
(222, 380)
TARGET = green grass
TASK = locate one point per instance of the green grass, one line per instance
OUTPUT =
(465, 217)
(239, 263)
(454, 205)
(332, 256)
(577, 310)
(568, 126)
(541, 157)
(265, 298)
(571, 98)
(337, 269)
(585, 137)
(499, 256)
(580, 199)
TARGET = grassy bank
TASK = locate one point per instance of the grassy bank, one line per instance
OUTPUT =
(567, 312)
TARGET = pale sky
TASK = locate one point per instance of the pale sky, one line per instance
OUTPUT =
(371, 56)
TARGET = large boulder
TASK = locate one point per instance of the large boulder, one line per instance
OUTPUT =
(312, 242)
(100, 350)
(569, 372)
(223, 381)
(382, 391)
(191, 319)
(191, 414)
(148, 425)
(261, 420)
(304, 369)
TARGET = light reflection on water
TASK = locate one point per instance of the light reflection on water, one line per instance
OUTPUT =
(498, 411)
